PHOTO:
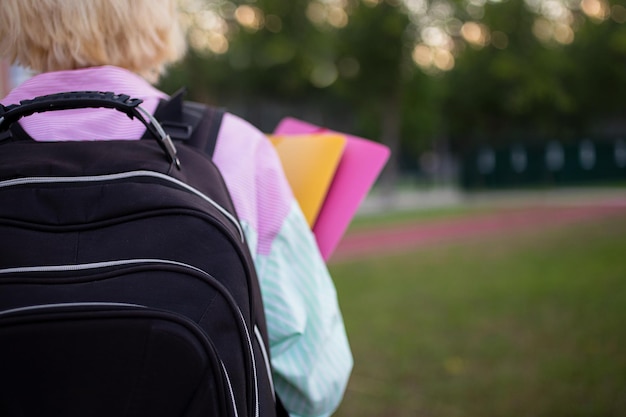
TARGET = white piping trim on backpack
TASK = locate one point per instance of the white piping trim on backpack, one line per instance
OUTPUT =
(63, 305)
(230, 389)
(95, 265)
(98, 304)
(256, 377)
(125, 175)
(81, 267)
(266, 357)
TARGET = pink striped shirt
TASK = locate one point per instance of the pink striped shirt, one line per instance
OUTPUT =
(245, 157)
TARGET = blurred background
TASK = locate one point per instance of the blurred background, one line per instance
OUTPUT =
(496, 281)
(479, 94)
(476, 93)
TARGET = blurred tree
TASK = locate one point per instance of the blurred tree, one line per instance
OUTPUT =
(599, 81)
(346, 57)
(413, 73)
(533, 86)
(501, 90)
(373, 74)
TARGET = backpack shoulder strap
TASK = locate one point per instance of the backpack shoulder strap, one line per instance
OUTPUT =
(194, 124)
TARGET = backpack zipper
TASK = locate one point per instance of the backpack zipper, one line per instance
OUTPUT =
(123, 176)
(137, 262)
(34, 308)
(62, 305)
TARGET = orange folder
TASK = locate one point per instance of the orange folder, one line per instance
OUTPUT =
(360, 162)
(310, 162)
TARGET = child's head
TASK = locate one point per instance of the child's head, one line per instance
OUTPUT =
(142, 36)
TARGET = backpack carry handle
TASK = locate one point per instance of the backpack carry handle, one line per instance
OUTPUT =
(70, 100)
(90, 99)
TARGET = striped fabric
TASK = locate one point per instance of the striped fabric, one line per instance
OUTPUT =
(311, 357)
(310, 352)
(84, 123)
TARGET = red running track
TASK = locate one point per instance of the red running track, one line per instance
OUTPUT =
(407, 237)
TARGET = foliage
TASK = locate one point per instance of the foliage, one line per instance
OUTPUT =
(408, 73)
(531, 90)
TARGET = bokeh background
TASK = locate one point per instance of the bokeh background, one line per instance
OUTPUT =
(481, 93)
(495, 281)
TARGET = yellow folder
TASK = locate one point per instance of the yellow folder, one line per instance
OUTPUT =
(310, 162)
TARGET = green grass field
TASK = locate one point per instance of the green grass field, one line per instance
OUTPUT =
(519, 326)
(394, 218)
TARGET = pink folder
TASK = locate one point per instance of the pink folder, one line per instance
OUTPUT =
(360, 164)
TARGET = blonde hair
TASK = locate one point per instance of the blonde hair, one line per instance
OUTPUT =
(142, 36)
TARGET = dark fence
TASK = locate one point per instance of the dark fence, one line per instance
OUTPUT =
(545, 164)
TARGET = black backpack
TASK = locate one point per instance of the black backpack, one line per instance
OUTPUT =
(126, 285)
